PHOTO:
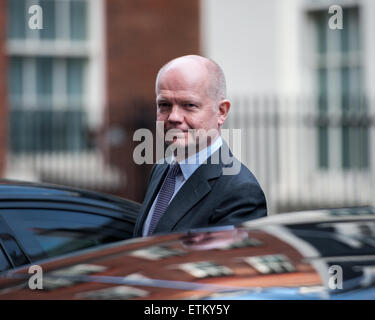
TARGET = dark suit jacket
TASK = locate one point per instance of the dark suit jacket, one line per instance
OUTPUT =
(207, 198)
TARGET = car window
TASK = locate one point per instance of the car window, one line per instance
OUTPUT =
(4, 262)
(48, 233)
(13, 250)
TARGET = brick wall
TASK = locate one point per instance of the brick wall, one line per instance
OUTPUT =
(142, 36)
(3, 73)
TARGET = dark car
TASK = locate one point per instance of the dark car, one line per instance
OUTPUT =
(39, 221)
(321, 255)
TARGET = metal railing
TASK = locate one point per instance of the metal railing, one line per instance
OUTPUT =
(57, 146)
(305, 158)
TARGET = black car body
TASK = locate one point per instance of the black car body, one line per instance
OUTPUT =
(39, 221)
(321, 255)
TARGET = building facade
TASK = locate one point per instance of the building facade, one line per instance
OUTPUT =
(302, 95)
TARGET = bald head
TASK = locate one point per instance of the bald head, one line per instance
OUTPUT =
(216, 86)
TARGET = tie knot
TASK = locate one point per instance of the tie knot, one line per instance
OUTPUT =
(174, 169)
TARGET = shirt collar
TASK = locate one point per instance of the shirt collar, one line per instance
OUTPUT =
(189, 165)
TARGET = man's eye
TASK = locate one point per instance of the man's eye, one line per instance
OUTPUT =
(163, 105)
(189, 105)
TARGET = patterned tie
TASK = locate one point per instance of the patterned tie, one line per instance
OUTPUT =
(165, 195)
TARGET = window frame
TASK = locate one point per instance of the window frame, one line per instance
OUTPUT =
(330, 149)
(91, 49)
(5, 230)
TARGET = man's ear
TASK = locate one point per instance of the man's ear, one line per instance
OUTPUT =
(223, 109)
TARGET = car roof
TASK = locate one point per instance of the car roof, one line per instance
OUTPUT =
(21, 194)
(320, 215)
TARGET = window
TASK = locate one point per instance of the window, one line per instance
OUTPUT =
(4, 262)
(343, 126)
(47, 112)
(205, 269)
(62, 19)
(11, 248)
(271, 264)
(48, 77)
(48, 233)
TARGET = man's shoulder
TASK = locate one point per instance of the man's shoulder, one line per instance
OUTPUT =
(231, 168)
(238, 171)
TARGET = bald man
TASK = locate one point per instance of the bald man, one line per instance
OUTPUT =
(190, 189)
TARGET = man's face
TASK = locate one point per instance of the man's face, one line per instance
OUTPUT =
(183, 103)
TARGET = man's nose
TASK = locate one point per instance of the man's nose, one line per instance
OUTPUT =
(176, 114)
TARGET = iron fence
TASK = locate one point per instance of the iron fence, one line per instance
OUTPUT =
(303, 158)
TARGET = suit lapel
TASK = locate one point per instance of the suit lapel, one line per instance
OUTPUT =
(194, 189)
(151, 193)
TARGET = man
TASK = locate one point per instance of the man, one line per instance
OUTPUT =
(193, 191)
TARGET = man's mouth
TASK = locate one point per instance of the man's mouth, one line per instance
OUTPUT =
(176, 132)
